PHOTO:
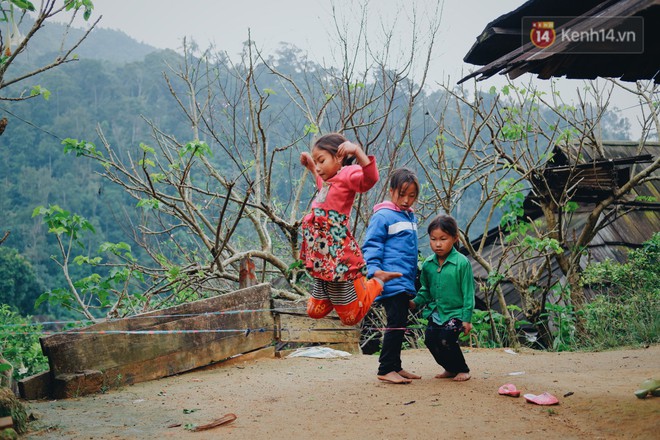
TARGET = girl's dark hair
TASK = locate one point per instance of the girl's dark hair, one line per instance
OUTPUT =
(401, 176)
(445, 223)
(330, 143)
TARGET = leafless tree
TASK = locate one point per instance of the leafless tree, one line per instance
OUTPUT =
(235, 187)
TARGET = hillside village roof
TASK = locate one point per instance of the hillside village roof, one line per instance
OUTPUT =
(504, 47)
(637, 218)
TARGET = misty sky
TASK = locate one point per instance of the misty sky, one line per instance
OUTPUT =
(308, 25)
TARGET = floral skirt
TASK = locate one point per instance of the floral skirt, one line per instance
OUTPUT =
(328, 249)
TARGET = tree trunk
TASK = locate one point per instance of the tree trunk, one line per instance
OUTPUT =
(509, 321)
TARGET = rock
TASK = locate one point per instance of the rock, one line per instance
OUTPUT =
(12, 407)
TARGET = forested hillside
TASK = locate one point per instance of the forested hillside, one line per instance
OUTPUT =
(115, 81)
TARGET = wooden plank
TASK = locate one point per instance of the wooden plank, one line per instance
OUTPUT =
(6, 422)
(350, 347)
(183, 360)
(285, 306)
(138, 357)
(65, 386)
(239, 300)
(108, 350)
(248, 298)
(35, 387)
(296, 328)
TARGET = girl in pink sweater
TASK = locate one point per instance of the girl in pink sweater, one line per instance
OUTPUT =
(330, 253)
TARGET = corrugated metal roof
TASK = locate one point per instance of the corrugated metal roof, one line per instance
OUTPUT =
(501, 47)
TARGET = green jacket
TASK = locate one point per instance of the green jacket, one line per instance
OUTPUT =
(446, 293)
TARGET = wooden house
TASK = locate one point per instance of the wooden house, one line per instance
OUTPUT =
(505, 47)
(630, 222)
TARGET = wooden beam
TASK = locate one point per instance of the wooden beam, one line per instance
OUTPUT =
(6, 422)
(66, 386)
(295, 328)
(35, 387)
(168, 341)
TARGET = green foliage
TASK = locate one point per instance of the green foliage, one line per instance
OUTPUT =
(311, 129)
(19, 343)
(149, 204)
(93, 290)
(296, 272)
(512, 221)
(511, 203)
(196, 148)
(23, 4)
(61, 222)
(40, 91)
(494, 278)
(560, 320)
(77, 4)
(546, 244)
(484, 326)
(19, 285)
(80, 148)
(489, 328)
(627, 309)
(568, 135)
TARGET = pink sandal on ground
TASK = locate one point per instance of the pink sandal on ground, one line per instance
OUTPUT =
(542, 399)
(509, 389)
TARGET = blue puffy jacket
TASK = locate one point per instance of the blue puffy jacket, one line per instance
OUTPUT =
(391, 245)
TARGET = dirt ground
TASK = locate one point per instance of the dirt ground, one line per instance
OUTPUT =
(293, 398)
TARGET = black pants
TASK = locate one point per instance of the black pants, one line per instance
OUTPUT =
(442, 342)
(396, 308)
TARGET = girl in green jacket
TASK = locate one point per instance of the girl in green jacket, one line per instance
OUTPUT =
(447, 298)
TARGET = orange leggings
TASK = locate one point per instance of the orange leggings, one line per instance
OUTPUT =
(353, 312)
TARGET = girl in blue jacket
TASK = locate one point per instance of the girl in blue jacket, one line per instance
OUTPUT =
(391, 246)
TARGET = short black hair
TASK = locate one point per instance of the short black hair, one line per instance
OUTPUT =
(445, 223)
(330, 143)
(401, 176)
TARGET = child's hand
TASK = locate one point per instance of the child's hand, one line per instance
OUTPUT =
(348, 148)
(467, 327)
(307, 161)
(411, 304)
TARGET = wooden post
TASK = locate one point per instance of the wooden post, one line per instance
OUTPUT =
(246, 276)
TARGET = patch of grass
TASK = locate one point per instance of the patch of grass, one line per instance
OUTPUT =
(626, 312)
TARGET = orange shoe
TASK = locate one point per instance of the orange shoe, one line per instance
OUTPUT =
(318, 308)
(367, 291)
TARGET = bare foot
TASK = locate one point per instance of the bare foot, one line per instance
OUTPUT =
(386, 276)
(407, 375)
(445, 375)
(462, 377)
(394, 377)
